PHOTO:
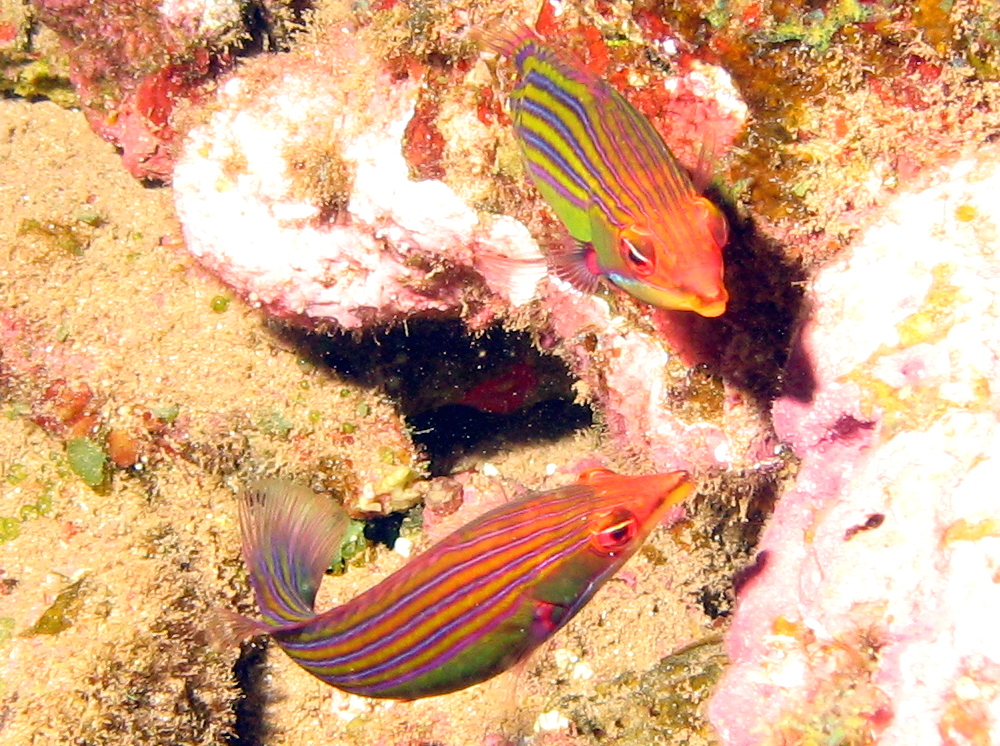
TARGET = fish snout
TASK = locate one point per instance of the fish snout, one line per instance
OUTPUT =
(643, 495)
(711, 306)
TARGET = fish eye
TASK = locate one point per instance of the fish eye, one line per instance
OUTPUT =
(615, 531)
(639, 262)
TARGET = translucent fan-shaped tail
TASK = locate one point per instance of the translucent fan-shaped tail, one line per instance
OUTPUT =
(290, 535)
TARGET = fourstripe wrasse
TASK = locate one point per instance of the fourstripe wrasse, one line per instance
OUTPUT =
(468, 608)
(631, 209)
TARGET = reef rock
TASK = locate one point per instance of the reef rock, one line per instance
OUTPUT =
(871, 611)
(299, 194)
(132, 62)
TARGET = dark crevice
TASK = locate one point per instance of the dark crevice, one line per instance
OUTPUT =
(457, 391)
(750, 345)
(270, 27)
(384, 529)
(446, 433)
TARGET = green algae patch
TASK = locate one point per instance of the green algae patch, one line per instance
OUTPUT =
(61, 614)
(56, 237)
(275, 424)
(21, 74)
(17, 410)
(352, 548)
(88, 461)
(10, 529)
(166, 412)
(817, 28)
(16, 473)
(6, 628)
(654, 707)
(398, 479)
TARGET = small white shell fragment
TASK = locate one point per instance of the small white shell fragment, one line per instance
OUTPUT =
(551, 721)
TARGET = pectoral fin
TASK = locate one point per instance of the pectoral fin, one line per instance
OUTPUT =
(576, 263)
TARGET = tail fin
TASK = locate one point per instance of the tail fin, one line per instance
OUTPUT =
(290, 535)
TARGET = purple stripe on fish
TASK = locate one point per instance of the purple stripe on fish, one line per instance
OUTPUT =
(411, 620)
(483, 626)
(606, 188)
(442, 578)
(595, 131)
(609, 176)
(469, 607)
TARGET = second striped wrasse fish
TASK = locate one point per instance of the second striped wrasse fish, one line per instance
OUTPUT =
(632, 210)
(468, 608)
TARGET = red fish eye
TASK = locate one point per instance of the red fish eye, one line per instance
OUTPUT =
(616, 531)
(642, 264)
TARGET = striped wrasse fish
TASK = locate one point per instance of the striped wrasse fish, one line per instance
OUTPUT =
(468, 608)
(631, 209)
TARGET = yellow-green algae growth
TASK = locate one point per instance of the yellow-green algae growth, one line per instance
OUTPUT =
(847, 99)
(915, 406)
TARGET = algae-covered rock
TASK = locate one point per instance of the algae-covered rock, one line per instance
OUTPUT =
(664, 705)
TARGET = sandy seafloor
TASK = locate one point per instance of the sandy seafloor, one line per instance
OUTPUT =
(106, 593)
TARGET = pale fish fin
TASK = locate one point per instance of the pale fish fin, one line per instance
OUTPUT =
(707, 166)
(226, 628)
(504, 36)
(575, 262)
(290, 536)
(511, 262)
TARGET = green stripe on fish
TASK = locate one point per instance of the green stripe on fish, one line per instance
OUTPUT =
(468, 608)
(606, 172)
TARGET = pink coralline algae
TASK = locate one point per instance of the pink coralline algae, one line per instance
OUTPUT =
(399, 248)
(133, 62)
(373, 247)
(871, 611)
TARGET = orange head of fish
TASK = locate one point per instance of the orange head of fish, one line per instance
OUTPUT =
(629, 508)
(674, 260)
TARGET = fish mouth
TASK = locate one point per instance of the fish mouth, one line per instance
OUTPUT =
(710, 309)
(675, 486)
(674, 299)
(710, 305)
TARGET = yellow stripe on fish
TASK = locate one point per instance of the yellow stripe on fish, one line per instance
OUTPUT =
(632, 210)
(468, 608)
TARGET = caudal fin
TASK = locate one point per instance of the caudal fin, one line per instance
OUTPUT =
(290, 535)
